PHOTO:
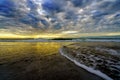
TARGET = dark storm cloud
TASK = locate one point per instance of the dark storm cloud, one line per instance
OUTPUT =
(79, 15)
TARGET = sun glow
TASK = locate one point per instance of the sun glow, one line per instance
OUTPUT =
(55, 35)
(9, 35)
(48, 35)
(112, 34)
(45, 35)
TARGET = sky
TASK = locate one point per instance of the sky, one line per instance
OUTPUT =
(59, 18)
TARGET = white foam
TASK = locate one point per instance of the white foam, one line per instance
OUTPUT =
(91, 70)
(110, 51)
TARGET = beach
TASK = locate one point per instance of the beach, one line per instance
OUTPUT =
(38, 61)
(100, 58)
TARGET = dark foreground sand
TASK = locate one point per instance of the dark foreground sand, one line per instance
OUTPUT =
(54, 67)
(39, 67)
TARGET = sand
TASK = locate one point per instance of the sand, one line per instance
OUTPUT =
(100, 58)
(54, 67)
(26, 64)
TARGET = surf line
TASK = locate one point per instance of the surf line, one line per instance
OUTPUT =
(91, 70)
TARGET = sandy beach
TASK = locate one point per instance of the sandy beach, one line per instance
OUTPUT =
(59, 39)
(100, 58)
(38, 61)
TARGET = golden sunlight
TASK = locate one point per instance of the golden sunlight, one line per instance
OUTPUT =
(55, 35)
(10, 35)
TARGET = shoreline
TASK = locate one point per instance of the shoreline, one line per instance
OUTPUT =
(39, 61)
(96, 72)
(53, 67)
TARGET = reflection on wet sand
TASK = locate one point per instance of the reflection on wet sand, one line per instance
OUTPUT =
(38, 61)
(10, 50)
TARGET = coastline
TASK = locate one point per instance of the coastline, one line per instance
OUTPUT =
(38, 61)
(96, 72)
(52, 67)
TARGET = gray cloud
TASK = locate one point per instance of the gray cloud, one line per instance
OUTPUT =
(60, 15)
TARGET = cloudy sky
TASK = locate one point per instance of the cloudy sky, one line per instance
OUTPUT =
(59, 18)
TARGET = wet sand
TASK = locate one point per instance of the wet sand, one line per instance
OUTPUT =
(100, 58)
(38, 61)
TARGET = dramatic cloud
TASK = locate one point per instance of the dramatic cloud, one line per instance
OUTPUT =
(58, 16)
